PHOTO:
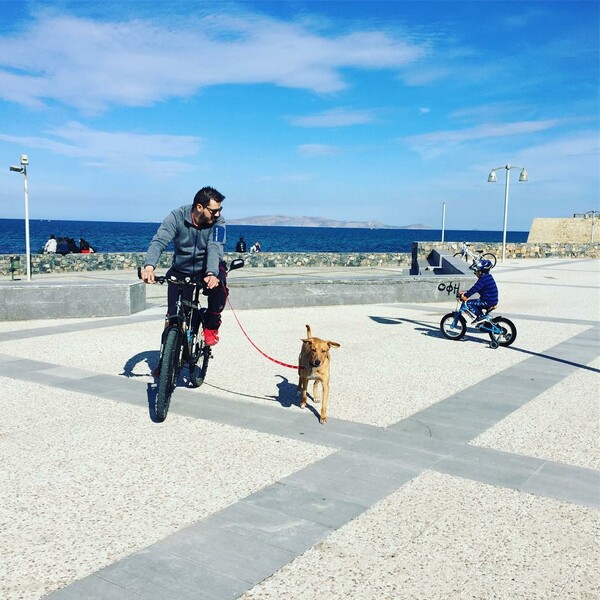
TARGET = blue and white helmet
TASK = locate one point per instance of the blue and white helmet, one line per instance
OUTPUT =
(483, 266)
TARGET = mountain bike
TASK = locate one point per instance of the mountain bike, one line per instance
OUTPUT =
(182, 341)
(467, 254)
(502, 331)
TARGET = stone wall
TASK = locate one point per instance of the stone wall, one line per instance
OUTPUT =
(584, 229)
(55, 263)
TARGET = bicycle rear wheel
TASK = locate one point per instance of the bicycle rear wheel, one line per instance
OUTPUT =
(508, 331)
(462, 255)
(198, 373)
(169, 372)
(491, 257)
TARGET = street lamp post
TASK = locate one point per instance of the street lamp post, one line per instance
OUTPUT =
(23, 169)
(443, 220)
(492, 179)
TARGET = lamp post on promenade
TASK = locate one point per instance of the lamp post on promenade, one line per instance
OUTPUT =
(443, 220)
(492, 179)
(23, 169)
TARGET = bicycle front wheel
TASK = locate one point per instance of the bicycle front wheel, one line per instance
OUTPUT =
(451, 330)
(462, 255)
(491, 257)
(169, 371)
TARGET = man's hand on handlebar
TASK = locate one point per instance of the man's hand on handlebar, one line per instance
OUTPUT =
(147, 274)
(211, 281)
(462, 296)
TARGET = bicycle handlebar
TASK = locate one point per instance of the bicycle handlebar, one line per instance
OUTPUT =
(235, 264)
(162, 279)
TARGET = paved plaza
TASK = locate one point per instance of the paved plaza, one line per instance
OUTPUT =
(446, 469)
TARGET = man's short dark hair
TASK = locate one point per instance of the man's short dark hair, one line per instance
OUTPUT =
(206, 194)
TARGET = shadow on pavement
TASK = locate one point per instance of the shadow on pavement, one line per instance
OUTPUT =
(150, 357)
(555, 358)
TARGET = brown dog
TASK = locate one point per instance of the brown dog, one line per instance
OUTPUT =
(313, 364)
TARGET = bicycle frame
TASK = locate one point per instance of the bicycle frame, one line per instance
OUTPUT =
(488, 325)
(183, 321)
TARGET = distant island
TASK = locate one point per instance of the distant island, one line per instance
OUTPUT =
(285, 221)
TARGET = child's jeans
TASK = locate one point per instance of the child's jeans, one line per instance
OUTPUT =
(477, 306)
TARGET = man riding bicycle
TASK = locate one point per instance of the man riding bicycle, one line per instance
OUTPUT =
(198, 236)
(487, 289)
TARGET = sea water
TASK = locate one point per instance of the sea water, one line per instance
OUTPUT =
(106, 236)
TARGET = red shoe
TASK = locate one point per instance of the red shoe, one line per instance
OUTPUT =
(211, 336)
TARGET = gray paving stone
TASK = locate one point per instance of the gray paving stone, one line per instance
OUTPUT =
(315, 507)
(419, 438)
(412, 458)
(227, 552)
(310, 430)
(269, 526)
(490, 466)
(93, 588)
(22, 366)
(154, 574)
(565, 482)
(356, 488)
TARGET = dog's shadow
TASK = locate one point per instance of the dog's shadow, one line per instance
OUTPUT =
(288, 397)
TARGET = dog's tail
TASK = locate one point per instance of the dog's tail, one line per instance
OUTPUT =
(308, 332)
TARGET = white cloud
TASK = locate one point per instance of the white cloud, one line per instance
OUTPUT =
(93, 64)
(157, 154)
(318, 149)
(432, 144)
(336, 117)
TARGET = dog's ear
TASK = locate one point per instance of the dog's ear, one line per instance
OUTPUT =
(333, 344)
(307, 340)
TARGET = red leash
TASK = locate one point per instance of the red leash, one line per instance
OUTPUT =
(248, 338)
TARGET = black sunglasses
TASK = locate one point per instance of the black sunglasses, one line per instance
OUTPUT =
(213, 211)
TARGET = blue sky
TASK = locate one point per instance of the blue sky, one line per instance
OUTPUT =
(352, 110)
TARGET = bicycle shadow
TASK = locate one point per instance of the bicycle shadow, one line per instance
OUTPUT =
(151, 358)
(427, 329)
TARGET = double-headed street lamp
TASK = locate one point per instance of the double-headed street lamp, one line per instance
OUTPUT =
(492, 179)
(23, 169)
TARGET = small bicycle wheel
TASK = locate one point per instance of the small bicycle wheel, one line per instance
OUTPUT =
(508, 331)
(450, 330)
(169, 371)
(491, 257)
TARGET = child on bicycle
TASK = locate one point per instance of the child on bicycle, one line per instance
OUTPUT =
(487, 289)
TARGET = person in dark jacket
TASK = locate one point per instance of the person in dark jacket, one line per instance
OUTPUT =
(198, 234)
(72, 246)
(62, 246)
(241, 245)
(485, 287)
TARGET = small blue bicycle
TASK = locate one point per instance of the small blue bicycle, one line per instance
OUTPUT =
(502, 331)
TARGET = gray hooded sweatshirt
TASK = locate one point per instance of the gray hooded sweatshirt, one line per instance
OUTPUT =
(197, 249)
